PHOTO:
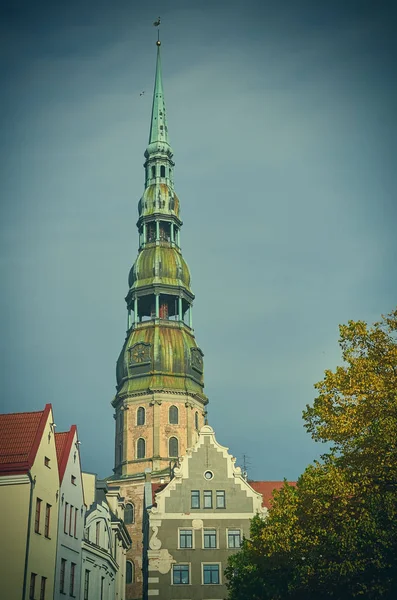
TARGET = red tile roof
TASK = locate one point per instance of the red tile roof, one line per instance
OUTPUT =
(156, 488)
(63, 444)
(20, 436)
(266, 488)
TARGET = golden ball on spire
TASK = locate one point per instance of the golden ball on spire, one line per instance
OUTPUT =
(158, 43)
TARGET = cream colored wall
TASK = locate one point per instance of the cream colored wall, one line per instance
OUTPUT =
(14, 512)
(42, 550)
(88, 488)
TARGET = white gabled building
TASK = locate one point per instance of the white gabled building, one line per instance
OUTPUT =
(105, 542)
(71, 516)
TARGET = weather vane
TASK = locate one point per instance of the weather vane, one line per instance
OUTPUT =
(157, 24)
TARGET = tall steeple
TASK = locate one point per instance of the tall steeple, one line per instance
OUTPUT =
(160, 402)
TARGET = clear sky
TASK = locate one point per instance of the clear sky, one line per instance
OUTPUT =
(282, 119)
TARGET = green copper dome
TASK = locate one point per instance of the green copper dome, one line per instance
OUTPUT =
(159, 265)
(159, 198)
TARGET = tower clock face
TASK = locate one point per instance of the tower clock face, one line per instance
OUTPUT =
(140, 353)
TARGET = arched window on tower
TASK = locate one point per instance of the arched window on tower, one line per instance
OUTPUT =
(140, 416)
(129, 514)
(162, 171)
(129, 572)
(196, 422)
(140, 448)
(173, 415)
(153, 171)
(173, 447)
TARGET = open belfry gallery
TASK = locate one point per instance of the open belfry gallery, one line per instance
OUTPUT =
(176, 506)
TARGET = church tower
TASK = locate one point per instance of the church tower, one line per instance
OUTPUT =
(160, 403)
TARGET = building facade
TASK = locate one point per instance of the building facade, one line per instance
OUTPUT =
(71, 515)
(197, 521)
(29, 499)
(160, 404)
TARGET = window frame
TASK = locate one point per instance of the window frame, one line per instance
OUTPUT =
(175, 419)
(65, 518)
(229, 531)
(171, 439)
(129, 562)
(185, 535)
(177, 565)
(207, 494)
(42, 587)
(70, 519)
(138, 452)
(196, 421)
(72, 579)
(32, 586)
(86, 584)
(129, 522)
(197, 496)
(37, 516)
(140, 416)
(211, 564)
(220, 494)
(62, 573)
(97, 532)
(211, 534)
(47, 521)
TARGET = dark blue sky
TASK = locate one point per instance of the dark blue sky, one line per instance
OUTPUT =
(282, 120)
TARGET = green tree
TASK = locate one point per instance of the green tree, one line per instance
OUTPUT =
(335, 534)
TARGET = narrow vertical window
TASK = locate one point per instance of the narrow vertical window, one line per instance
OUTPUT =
(70, 519)
(102, 586)
(129, 514)
(173, 415)
(72, 574)
(162, 171)
(86, 584)
(37, 516)
(153, 171)
(65, 518)
(97, 532)
(42, 588)
(129, 574)
(140, 448)
(173, 447)
(47, 520)
(32, 585)
(207, 499)
(196, 421)
(195, 499)
(140, 416)
(220, 499)
(62, 576)
(76, 510)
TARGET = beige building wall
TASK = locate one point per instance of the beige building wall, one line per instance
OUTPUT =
(14, 513)
(42, 549)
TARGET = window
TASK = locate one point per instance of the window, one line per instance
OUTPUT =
(210, 574)
(72, 573)
(173, 415)
(195, 499)
(65, 518)
(173, 447)
(47, 520)
(209, 538)
(220, 499)
(73, 480)
(129, 572)
(140, 448)
(76, 510)
(86, 584)
(37, 516)
(153, 171)
(234, 538)
(32, 585)
(102, 586)
(207, 499)
(180, 574)
(47, 462)
(129, 514)
(70, 519)
(185, 538)
(62, 576)
(140, 416)
(196, 422)
(42, 588)
(162, 171)
(97, 532)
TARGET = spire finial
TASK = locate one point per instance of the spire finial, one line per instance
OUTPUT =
(157, 24)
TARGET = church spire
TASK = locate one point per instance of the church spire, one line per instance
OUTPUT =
(158, 124)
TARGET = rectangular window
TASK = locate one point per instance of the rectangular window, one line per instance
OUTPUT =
(185, 538)
(211, 574)
(209, 538)
(102, 586)
(195, 496)
(86, 584)
(47, 520)
(76, 510)
(97, 532)
(62, 576)
(73, 479)
(234, 538)
(207, 499)
(220, 499)
(65, 519)
(32, 585)
(72, 573)
(180, 574)
(47, 462)
(70, 519)
(37, 516)
(42, 588)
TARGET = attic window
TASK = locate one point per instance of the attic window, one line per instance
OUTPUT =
(47, 462)
(73, 479)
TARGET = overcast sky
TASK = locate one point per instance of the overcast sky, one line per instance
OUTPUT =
(282, 119)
